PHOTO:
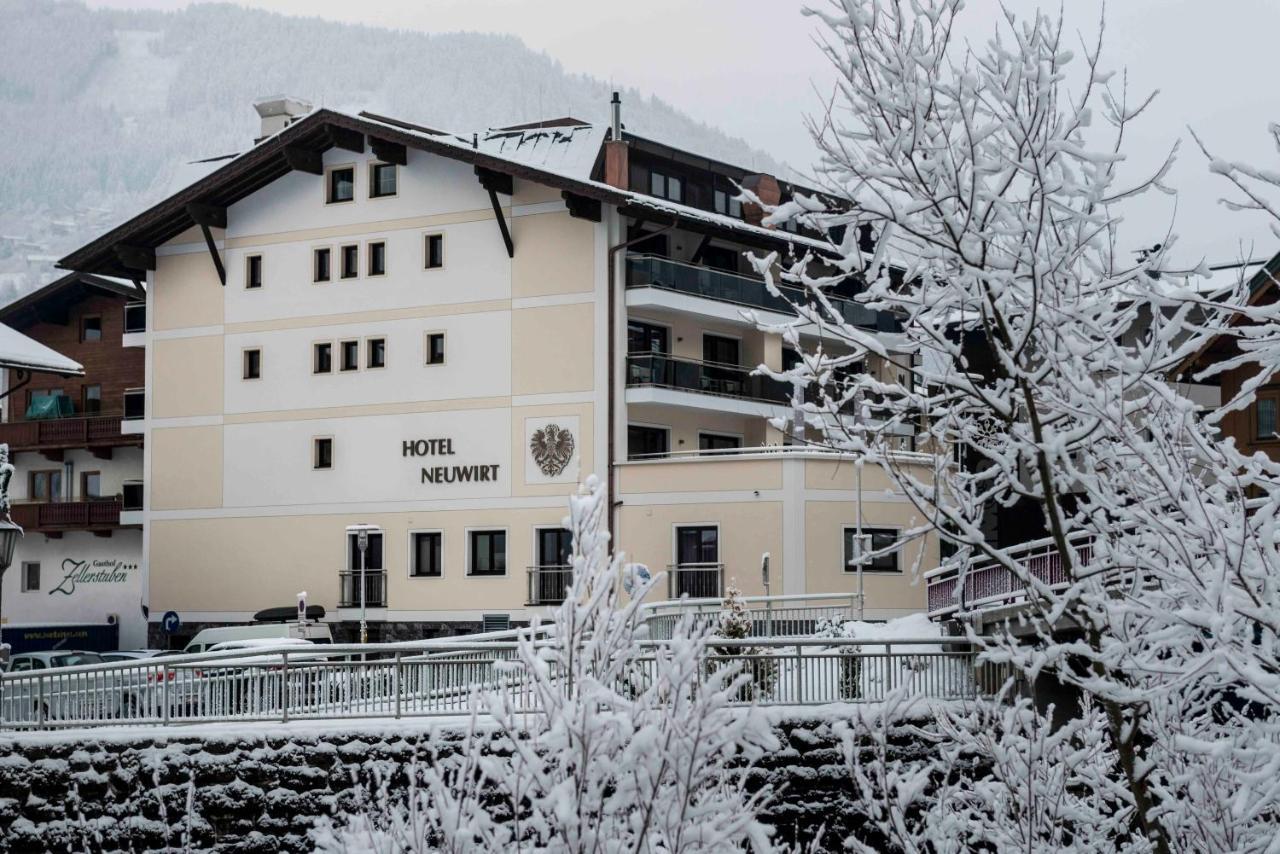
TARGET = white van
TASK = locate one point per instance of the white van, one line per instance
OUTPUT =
(313, 632)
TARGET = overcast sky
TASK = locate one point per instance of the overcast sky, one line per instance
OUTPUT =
(750, 68)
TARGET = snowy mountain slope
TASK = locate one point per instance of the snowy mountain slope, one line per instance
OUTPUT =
(100, 107)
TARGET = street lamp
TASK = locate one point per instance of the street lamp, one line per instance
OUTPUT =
(9, 533)
(362, 544)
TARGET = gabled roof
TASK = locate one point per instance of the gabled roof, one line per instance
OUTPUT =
(1262, 282)
(19, 352)
(50, 303)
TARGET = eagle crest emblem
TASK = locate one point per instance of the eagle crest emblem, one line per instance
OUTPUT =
(552, 448)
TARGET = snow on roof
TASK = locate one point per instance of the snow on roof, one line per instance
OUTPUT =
(568, 151)
(188, 173)
(19, 351)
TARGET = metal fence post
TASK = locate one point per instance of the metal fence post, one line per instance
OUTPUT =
(284, 687)
(40, 697)
(163, 676)
(395, 683)
(799, 673)
(888, 668)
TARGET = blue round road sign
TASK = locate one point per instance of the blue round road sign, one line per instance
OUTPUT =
(170, 621)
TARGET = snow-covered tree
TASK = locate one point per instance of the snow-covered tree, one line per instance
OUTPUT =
(633, 747)
(990, 177)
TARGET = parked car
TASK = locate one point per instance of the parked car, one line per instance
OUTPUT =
(132, 654)
(208, 638)
(71, 696)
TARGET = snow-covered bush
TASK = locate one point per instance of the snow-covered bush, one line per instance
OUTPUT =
(608, 762)
(736, 623)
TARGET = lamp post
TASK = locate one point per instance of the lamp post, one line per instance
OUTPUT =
(362, 542)
(9, 534)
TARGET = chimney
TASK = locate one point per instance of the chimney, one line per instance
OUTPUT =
(278, 112)
(617, 172)
(767, 191)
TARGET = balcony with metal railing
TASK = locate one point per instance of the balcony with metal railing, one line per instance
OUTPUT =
(652, 271)
(375, 588)
(695, 580)
(658, 370)
(548, 583)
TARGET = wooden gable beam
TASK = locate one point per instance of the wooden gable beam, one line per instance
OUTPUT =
(209, 217)
(346, 138)
(498, 182)
(135, 257)
(581, 207)
(389, 152)
(303, 160)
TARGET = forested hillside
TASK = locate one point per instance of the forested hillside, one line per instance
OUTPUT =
(100, 107)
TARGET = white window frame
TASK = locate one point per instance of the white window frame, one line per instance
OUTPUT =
(426, 348)
(342, 247)
(315, 456)
(341, 356)
(426, 254)
(244, 356)
(871, 526)
(368, 258)
(262, 272)
(373, 164)
(315, 250)
(385, 349)
(408, 567)
(467, 532)
(355, 188)
(332, 370)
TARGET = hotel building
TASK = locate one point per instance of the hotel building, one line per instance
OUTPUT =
(365, 321)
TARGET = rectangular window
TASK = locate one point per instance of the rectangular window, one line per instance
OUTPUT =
(721, 350)
(377, 258)
(91, 485)
(873, 540)
(425, 557)
(382, 180)
(253, 364)
(488, 553)
(322, 452)
(320, 266)
(350, 355)
(91, 329)
(322, 358)
(341, 184)
(434, 251)
(350, 261)
(647, 442)
(253, 271)
(718, 442)
(697, 572)
(135, 317)
(91, 399)
(135, 403)
(45, 485)
(435, 348)
(30, 576)
(376, 353)
(1268, 414)
(372, 552)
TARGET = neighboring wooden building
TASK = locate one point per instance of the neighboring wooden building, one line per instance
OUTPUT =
(1255, 428)
(76, 443)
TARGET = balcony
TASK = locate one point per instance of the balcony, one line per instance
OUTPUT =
(53, 518)
(989, 585)
(695, 580)
(659, 370)
(547, 584)
(98, 433)
(375, 588)
(651, 271)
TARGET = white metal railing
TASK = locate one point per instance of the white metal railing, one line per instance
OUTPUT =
(418, 679)
(985, 582)
(771, 616)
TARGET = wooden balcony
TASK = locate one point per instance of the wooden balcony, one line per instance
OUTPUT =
(55, 517)
(98, 433)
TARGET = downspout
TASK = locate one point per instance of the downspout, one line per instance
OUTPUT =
(613, 369)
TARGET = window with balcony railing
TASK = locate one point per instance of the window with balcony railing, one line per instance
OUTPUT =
(658, 369)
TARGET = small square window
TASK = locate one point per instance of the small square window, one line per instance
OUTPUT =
(377, 258)
(376, 353)
(873, 540)
(91, 402)
(321, 267)
(342, 184)
(425, 554)
(350, 261)
(322, 453)
(382, 180)
(91, 328)
(322, 358)
(435, 348)
(435, 251)
(253, 364)
(253, 272)
(488, 553)
(30, 576)
(349, 352)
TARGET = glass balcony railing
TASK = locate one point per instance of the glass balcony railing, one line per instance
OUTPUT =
(658, 369)
(652, 271)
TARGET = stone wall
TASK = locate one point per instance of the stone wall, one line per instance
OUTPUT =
(221, 787)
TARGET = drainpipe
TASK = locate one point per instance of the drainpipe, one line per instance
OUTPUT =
(613, 369)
